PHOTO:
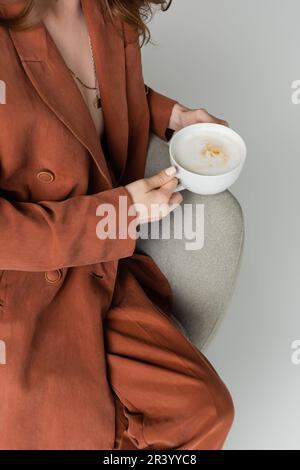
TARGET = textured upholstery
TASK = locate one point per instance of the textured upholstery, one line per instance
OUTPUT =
(202, 280)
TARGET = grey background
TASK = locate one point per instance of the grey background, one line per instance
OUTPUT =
(238, 59)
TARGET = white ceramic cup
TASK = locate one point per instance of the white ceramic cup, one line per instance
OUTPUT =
(201, 183)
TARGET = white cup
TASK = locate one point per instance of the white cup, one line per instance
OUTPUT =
(202, 183)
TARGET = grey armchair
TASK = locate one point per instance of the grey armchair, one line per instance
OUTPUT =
(202, 280)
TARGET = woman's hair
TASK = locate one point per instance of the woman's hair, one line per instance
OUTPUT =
(134, 12)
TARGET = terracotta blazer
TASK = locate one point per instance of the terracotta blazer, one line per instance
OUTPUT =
(56, 275)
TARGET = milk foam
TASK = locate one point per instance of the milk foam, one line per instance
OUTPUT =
(207, 154)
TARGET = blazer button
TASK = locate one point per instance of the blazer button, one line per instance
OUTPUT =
(45, 176)
(53, 277)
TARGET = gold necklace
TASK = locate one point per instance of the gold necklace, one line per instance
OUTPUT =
(97, 102)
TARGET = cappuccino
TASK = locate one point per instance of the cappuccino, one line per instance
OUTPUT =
(207, 154)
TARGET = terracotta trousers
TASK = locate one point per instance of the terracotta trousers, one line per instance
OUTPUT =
(167, 395)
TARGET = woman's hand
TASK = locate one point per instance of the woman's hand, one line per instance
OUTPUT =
(182, 116)
(154, 197)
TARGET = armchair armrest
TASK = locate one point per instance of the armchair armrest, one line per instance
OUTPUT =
(202, 280)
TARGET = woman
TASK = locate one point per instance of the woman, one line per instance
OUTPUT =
(93, 360)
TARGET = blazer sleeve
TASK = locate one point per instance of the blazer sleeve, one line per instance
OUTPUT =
(160, 108)
(47, 235)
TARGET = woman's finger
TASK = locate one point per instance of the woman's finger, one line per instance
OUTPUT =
(175, 199)
(161, 178)
(168, 189)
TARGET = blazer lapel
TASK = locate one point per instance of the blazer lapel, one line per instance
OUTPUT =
(109, 55)
(52, 80)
